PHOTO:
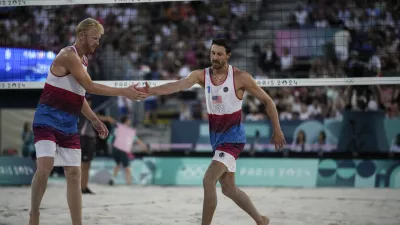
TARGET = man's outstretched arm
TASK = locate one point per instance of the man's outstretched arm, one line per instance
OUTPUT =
(73, 64)
(176, 86)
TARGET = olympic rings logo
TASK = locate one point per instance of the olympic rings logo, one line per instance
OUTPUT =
(219, 108)
(349, 81)
(193, 170)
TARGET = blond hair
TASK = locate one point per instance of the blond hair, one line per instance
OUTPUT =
(88, 23)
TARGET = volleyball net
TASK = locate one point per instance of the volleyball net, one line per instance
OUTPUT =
(330, 69)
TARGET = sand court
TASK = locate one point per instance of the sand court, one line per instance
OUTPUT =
(152, 205)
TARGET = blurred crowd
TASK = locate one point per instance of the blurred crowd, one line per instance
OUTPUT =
(325, 102)
(152, 41)
(167, 40)
(366, 44)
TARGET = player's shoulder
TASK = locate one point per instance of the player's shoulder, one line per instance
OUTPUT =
(198, 72)
(240, 74)
(67, 53)
(68, 50)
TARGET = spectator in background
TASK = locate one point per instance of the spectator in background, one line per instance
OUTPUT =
(320, 20)
(301, 15)
(300, 143)
(254, 115)
(395, 144)
(318, 69)
(286, 114)
(88, 139)
(296, 105)
(321, 144)
(241, 15)
(374, 65)
(150, 109)
(373, 103)
(332, 17)
(28, 147)
(354, 66)
(124, 106)
(343, 13)
(393, 111)
(287, 96)
(122, 158)
(197, 111)
(185, 113)
(269, 61)
(287, 62)
(314, 109)
(304, 113)
(352, 23)
(341, 40)
(337, 108)
(251, 104)
(292, 23)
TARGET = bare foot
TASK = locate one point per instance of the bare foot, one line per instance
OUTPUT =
(265, 221)
(34, 218)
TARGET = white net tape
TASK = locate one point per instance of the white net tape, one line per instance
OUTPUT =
(305, 82)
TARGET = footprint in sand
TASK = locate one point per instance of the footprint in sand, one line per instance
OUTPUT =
(8, 214)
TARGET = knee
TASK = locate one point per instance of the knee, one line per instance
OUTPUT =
(72, 173)
(42, 173)
(208, 182)
(44, 167)
(229, 191)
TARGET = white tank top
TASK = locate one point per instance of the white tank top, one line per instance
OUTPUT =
(224, 114)
(221, 99)
(68, 82)
(61, 102)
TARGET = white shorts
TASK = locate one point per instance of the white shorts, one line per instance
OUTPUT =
(227, 159)
(62, 156)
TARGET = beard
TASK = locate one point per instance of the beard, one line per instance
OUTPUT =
(217, 64)
(90, 48)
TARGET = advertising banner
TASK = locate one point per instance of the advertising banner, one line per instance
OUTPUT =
(102, 168)
(261, 172)
(250, 172)
(277, 172)
(24, 64)
(359, 173)
(16, 170)
(337, 132)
